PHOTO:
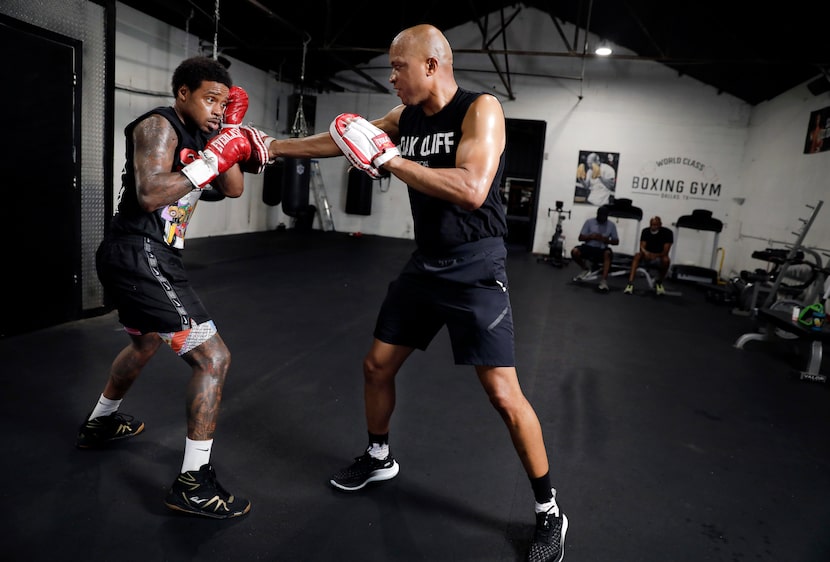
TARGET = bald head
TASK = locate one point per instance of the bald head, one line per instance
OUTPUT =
(424, 41)
(421, 61)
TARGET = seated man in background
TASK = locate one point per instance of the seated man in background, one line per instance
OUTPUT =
(597, 235)
(655, 243)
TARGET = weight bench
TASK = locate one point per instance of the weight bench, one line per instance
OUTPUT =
(650, 279)
(620, 262)
(773, 320)
(619, 268)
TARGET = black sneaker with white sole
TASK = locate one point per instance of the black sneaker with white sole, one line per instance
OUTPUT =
(365, 469)
(548, 543)
(197, 492)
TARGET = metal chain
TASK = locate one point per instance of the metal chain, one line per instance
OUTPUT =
(216, 31)
(300, 126)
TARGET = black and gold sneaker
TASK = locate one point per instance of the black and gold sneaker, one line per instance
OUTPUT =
(102, 431)
(197, 492)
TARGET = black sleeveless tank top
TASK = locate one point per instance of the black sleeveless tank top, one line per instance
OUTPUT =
(432, 141)
(169, 223)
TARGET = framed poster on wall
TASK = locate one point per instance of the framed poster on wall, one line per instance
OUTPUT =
(596, 177)
(818, 131)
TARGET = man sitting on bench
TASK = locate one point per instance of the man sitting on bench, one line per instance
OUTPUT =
(597, 235)
(655, 243)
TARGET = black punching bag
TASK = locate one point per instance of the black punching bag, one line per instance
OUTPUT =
(359, 193)
(211, 195)
(272, 183)
(296, 180)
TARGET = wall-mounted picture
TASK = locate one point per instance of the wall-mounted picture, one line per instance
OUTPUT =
(596, 177)
(818, 132)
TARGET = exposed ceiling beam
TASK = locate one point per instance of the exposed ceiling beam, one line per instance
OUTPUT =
(482, 27)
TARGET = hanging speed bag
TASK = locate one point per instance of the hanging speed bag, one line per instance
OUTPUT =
(359, 193)
(272, 183)
(296, 180)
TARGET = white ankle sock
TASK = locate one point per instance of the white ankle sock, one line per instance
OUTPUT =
(104, 407)
(548, 506)
(377, 451)
(196, 454)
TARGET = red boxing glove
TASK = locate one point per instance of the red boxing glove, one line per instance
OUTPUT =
(221, 152)
(236, 108)
(259, 142)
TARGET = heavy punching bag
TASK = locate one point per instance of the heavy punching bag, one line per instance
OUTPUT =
(295, 186)
(211, 195)
(272, 179)
(359, 193)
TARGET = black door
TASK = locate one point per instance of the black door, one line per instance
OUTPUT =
(522, 172)
(38, 149)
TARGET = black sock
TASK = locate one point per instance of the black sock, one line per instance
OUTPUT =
(379, 439)
(542, 488)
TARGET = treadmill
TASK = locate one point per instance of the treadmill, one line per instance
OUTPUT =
(701, 220)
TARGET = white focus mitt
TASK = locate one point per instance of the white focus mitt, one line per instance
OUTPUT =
(367, 147)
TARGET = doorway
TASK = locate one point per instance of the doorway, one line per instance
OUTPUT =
(40, 168)
(524, 154)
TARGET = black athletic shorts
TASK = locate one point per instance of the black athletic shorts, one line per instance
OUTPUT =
(656, 264)
(147, 283)
(593, 253)
(464, 289)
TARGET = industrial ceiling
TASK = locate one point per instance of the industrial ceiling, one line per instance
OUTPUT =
(752, 51)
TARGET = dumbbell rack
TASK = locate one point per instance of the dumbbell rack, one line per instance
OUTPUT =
(800, 235)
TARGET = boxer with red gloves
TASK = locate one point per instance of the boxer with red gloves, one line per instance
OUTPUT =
(172, 154)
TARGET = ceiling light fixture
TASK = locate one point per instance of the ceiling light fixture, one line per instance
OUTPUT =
(603, 49)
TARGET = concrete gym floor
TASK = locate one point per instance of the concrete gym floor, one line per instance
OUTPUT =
(666, 442)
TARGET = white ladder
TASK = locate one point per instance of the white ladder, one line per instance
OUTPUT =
(323, 207)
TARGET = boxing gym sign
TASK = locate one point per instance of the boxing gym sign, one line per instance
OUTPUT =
(678, 177)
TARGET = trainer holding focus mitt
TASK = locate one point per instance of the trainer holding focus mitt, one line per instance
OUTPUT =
(447, 144)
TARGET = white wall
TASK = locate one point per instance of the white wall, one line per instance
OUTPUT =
(666, 127)
(779, 181)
